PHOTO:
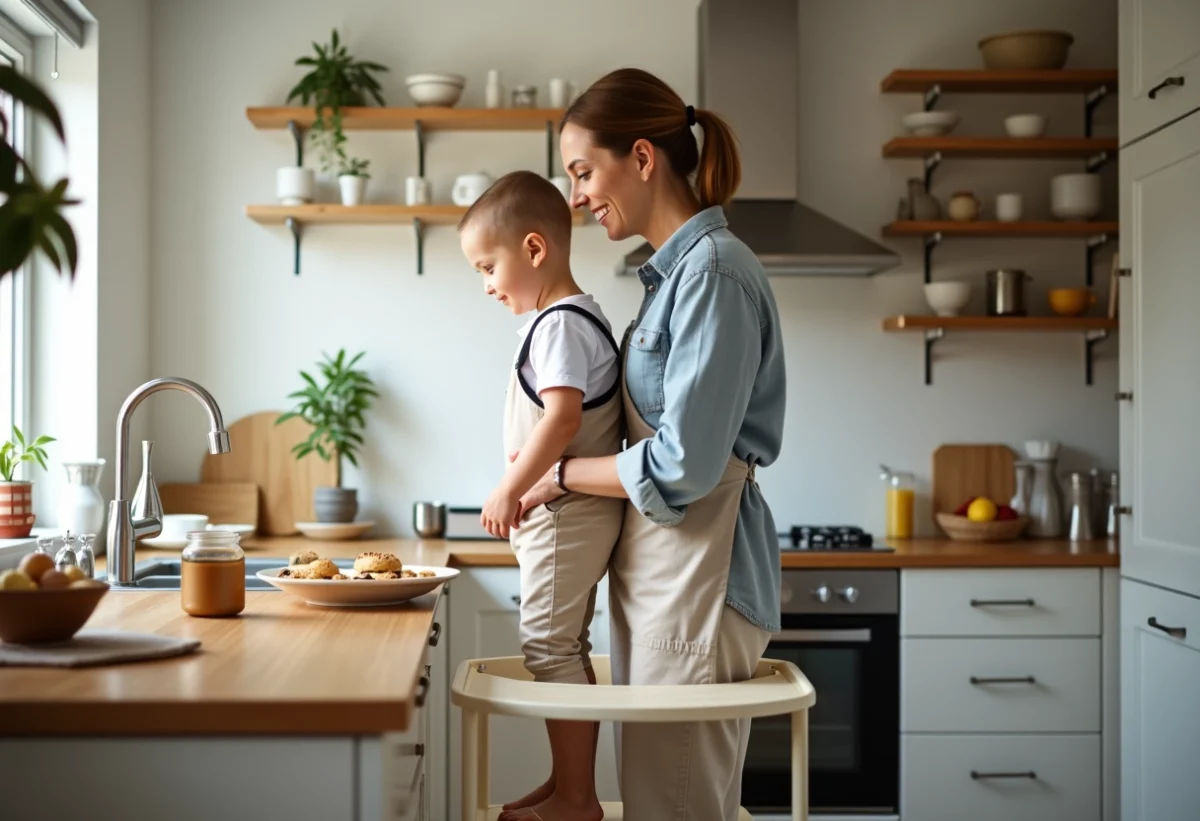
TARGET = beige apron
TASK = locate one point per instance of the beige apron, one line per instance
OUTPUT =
(563, 547)
(670, 625)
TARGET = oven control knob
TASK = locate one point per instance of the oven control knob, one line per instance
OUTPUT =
(850, 594)
(822, 594)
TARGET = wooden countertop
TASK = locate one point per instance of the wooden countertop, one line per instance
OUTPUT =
(947, 553)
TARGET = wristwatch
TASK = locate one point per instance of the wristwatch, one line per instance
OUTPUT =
(558, 473)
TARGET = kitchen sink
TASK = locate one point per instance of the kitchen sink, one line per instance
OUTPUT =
(164, 574)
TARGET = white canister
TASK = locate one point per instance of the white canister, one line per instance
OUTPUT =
(80, 506)
(353, 188)
(470, 187)
(416, 191)
(494, 90)
(295, 185)
(1008, 207)
(561, 92)
(1075, 197)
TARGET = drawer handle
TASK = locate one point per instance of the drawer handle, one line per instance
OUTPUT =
(1173, 632)
(418, 750)
(435, 634)
(422, 691)
(1002, 602)
(978, 776)
(1167, 83)
(1013, 680)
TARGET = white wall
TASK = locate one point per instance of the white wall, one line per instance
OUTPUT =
(228, 312)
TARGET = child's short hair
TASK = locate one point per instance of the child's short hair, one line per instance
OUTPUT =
(521, 203)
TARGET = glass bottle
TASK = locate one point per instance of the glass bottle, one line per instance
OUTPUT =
(1080, 512)
(901, 495)
(85, 555)
(213, 574)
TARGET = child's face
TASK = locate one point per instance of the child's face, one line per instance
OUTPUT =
(510, 269)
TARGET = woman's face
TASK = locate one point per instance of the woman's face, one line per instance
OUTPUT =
(612, 188)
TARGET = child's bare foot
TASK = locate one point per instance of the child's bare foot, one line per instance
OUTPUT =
(536, 797)
(560, 808)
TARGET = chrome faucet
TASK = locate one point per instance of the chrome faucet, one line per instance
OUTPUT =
(128, 522)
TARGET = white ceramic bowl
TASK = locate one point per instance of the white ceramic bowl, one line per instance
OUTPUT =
(930, 123)
(435, 89)
(1025, 125)
(1075, 197)
(948, 298)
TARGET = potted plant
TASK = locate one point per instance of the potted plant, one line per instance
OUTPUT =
(335, 410)
(16, 495)
(335, 79)
(353, 181)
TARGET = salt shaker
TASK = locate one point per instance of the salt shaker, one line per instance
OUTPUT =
(66, 554)
(85, 555)
(1079, 514)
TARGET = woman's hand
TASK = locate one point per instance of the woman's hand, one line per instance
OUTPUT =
(544, 490)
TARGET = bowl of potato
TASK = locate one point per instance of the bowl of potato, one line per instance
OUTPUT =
(41, 604)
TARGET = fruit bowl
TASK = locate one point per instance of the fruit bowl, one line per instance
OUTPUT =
(33, 616)
(998, 530)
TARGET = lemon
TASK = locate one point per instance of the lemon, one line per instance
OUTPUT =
(982, 510)
(16, 580)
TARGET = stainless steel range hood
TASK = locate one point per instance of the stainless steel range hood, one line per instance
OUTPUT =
(749, 74)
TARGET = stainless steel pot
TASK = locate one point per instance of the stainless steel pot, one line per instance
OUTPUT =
(429, 520)
(1006, 292)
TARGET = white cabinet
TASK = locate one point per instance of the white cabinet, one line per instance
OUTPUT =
(1159, 49)
(484, 612)
(1160, 243)
(1160, 720)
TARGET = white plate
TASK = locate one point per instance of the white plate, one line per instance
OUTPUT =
(334, 531)
(359, 592)
(244, 530)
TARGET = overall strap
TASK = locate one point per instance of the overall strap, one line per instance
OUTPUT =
(523, 356)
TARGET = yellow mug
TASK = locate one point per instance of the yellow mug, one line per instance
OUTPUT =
(1070, 301)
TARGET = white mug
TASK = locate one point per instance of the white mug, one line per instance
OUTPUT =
(1008, 207)
(176, 526)
(561, 92)
(563, 184)
(416, 191)
(470, 187)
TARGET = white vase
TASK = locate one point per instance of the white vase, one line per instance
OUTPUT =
(354, 189)
(295, 185)
(80, 504)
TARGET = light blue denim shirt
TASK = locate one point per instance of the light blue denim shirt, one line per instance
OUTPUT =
(705, 370)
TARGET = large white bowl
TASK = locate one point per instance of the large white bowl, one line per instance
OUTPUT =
(930, 123)
(435, 89)
(947, 298)
(1025, 125)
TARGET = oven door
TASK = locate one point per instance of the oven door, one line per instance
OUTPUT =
(853, 663)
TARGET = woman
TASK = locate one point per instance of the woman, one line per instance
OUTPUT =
(694, 580)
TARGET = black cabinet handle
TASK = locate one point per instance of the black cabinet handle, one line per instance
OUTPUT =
(1167, 83)
(1014, 680)
(1002, 602)
(1030, 774)
(1173, 632)
(435, 634)
(422, 691)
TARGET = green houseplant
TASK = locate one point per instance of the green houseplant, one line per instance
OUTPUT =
(16, 496)
(335, 408)
(30, 215)
(352, 180)
(335, 79)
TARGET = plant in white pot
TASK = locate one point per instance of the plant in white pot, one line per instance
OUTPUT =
(336, 411)
(16, 495)
(353, 181)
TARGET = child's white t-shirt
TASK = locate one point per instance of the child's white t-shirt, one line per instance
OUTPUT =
(569, 351)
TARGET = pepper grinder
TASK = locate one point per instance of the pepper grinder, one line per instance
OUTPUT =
(66, 554)
(86, 555)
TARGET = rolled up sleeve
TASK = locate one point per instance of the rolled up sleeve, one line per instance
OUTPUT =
(710, 370)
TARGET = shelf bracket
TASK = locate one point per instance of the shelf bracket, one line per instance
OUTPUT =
(1089, 343)
(419, 228)
(298, 137)
(1093, 99)
(1096, 161)
(932, 336)
(419, 129)
(931, 242)
(294, 227)
(931, 163)
(931, 96)
(549, 149)
(1094, 243)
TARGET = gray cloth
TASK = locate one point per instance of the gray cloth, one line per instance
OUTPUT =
(92, 647)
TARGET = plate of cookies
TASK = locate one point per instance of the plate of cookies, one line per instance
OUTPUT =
(372, 579)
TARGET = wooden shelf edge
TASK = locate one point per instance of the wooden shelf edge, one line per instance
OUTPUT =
(393, 118)
(372, 214)
(988, 228)
(987, 81)
(922, 322)
(1000, 147)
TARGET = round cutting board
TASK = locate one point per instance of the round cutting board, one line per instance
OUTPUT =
(261, 452)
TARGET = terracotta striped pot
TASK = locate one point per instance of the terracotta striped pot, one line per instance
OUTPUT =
(16, 509)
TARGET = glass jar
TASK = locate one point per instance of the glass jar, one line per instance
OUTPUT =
(901, 496)
(213, 574)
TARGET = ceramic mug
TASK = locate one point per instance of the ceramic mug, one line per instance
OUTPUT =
(563, 184)
(176, 526)
(561, 92)
(1008, 207)
(416, 191)
(470, 187)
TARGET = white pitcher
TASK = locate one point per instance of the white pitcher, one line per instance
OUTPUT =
(81, 505)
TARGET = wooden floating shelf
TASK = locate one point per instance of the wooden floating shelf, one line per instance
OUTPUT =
(979, 228)
(983, 81)
(333, 214)
(999, 147)
(911, 322)
(431, 118)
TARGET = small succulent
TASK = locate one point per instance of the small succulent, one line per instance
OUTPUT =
(16, 450)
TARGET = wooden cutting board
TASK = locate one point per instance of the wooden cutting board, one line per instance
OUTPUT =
(963, 471)
(225, 503)
(260, 452)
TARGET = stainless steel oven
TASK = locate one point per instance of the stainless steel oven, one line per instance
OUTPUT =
(841, 628)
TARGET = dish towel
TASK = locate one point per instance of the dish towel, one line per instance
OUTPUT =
(92, 647)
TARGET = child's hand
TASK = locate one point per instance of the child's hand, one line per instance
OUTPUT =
(501, 511)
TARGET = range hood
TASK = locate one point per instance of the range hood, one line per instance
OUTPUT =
(749, 74)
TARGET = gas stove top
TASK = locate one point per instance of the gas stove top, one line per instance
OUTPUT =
(827, 538)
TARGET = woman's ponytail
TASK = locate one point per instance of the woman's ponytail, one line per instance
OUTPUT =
(720, 169)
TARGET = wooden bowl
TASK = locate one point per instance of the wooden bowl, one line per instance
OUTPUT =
(1026, 50)
(999, 530)
(33, 616)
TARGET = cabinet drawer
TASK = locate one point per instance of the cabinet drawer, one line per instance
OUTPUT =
(949, 685)
(1031, 778)
(1040, 602)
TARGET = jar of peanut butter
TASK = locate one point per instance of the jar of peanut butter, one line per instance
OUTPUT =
(213, 574)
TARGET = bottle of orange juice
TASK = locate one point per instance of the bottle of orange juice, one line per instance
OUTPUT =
(901, 494)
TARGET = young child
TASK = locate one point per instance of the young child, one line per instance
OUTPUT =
(563, 401)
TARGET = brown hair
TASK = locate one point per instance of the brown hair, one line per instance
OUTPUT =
(629, 104)
(521, 203)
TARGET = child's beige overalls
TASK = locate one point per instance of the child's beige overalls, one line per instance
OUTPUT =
(670, 625)
(563, 548)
